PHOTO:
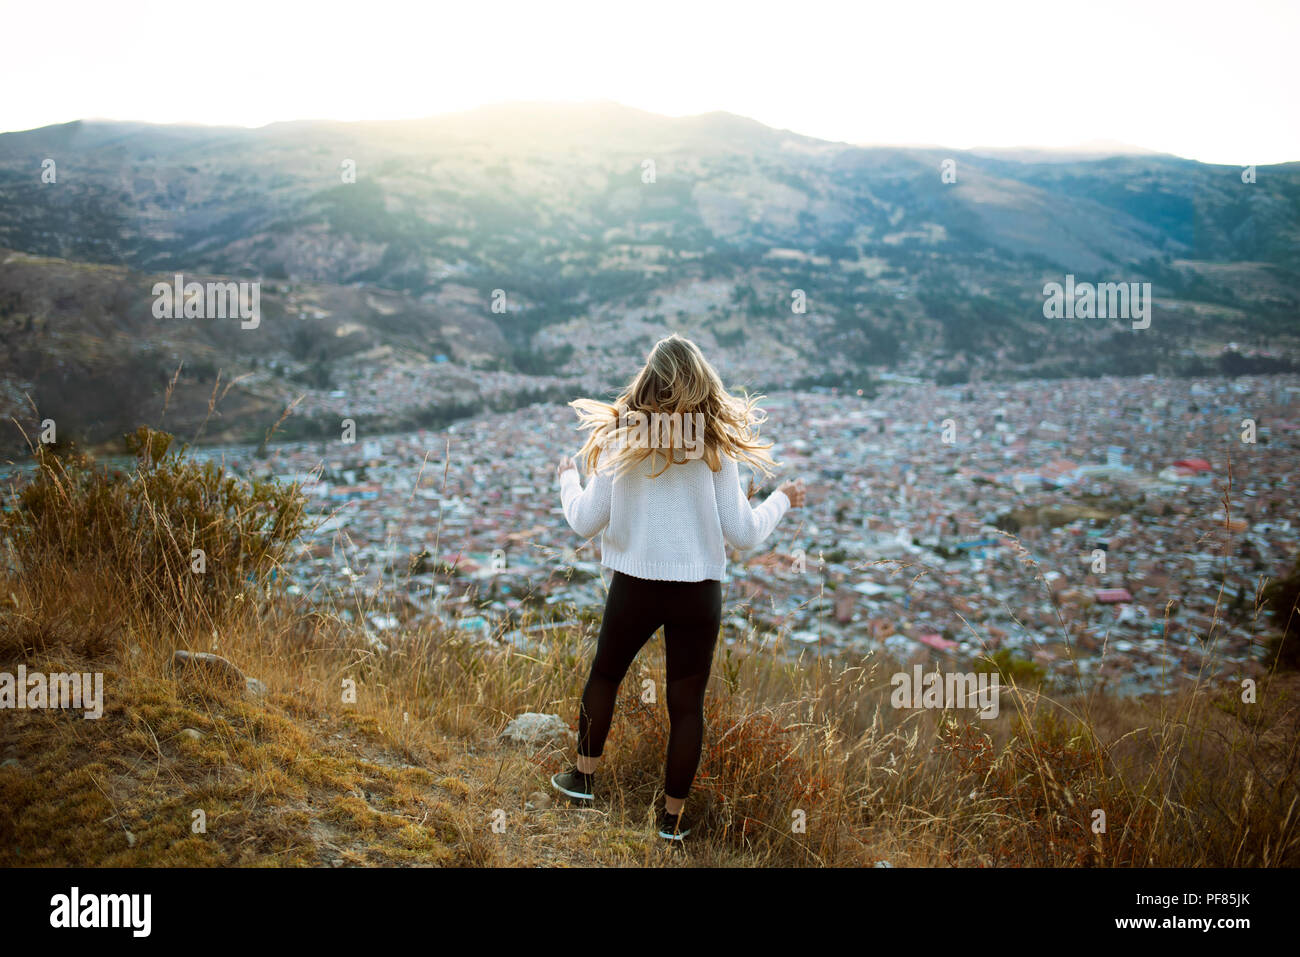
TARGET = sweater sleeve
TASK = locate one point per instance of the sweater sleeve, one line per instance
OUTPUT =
(742, 526)
(585, 509)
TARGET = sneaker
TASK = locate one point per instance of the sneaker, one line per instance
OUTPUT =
(574, 784)
(672, 827)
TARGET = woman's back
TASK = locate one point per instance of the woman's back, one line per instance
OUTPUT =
(673, 526)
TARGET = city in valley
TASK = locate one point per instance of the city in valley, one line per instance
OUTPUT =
(1111, 532)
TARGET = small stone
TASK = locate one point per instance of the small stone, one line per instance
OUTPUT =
(535, 730)
(130, 839)
(194, 734)
(538, 801)
(9, 763)
(882, 864)
(185, 664)
(255, 687)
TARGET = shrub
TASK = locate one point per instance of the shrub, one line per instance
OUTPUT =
(176, 539)
(1020, 672)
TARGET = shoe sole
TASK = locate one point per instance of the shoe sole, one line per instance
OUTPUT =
(679, 836)
(576, 795)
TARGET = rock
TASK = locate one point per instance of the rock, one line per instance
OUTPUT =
(9, 763)
(538, 801)
(202, 664)
(882, 864)
(537, 730)
(130, 839)
(255, 687)
(194, 734)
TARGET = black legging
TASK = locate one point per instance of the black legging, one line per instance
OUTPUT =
(691, 613)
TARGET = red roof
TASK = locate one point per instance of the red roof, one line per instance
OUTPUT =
(1110, 595)
(937, 641)
(1196, 465)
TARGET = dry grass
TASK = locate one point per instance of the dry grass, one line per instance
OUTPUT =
(806, 763)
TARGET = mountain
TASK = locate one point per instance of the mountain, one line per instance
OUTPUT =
(598, 228)
(1088, 150)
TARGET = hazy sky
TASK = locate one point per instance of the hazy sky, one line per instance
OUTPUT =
(1213, 81)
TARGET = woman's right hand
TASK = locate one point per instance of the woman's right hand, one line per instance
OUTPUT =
(794, 491)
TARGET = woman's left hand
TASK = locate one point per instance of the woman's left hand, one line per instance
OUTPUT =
(564, 465)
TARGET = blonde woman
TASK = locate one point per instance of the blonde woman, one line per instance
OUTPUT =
(664, 493)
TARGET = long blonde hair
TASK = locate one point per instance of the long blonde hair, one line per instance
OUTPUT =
(676, 379)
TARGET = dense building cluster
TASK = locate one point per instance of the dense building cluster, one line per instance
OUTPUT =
(1111, 530)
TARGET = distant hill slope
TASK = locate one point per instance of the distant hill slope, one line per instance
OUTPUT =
(82, 341)
(602, 227)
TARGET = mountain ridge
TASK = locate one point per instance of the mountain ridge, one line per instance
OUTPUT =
(596, 229)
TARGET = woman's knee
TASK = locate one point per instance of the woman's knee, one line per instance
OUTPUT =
(686, 697)
(606, 671)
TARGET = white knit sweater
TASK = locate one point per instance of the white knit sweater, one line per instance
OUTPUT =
(671, 527)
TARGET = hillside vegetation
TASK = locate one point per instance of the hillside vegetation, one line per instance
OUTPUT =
(100, 578)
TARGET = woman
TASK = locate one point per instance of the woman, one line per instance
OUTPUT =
(664, 492)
